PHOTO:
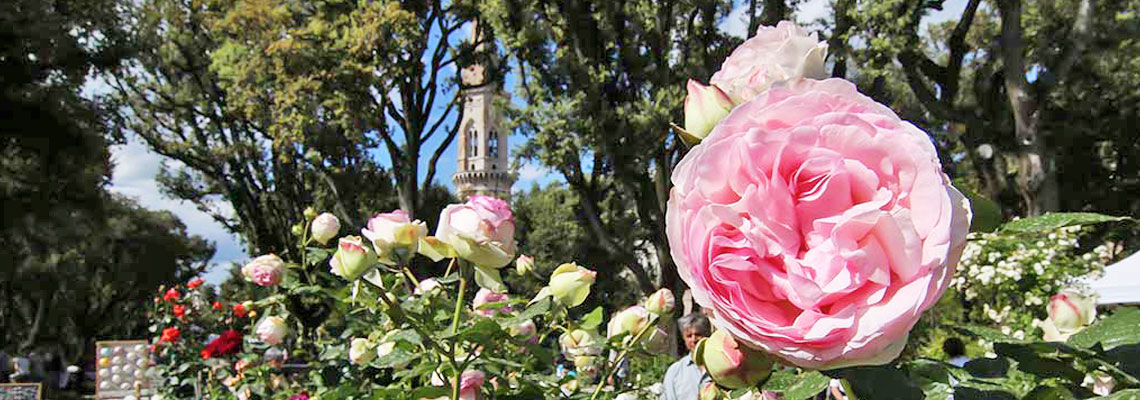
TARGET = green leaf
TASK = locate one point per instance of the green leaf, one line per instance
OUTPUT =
(986, 213)
(1049, 393)
(316, 255)
(407, 335)
(987, 333)
(541, 307)
(485, 331)
(430, 392)
(1120, 328)
(489, 278)
(987, 367)
(1131, 394)
(591, 320)
(1045, 360)
(397, 357)
(1054, 221)
(806, 385)
(880, 382)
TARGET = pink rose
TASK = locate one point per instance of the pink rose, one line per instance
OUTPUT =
(394, 236)
(816, 225)
(469, 384)
(265, 270)
(775, 54)
(481, 231)
(486, 296)
(272, 330)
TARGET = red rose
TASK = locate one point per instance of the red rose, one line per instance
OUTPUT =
(194, 283)
(171, 294)
(179, 311)
(170, 335)
(218, 305)
(239, 310)
(228, 343)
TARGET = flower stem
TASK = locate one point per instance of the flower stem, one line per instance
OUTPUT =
(458, 302)
(621, 356)
(848, 388)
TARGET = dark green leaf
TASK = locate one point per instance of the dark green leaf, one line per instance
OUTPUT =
(987, 367)
(967, 393)
(987, 213)
(880, 382)
(429, 392)
(591, 320)
(1046, 360)
(1053, 221)
(485, 331)
(1120, 328)
(1049, 393)
(316, 255)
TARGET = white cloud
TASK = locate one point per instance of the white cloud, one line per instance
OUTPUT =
(135, 169)
(736, 24)
(809, 11)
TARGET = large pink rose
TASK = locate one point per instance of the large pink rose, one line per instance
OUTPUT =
(481, 231)
(774, 54)
(816, 225)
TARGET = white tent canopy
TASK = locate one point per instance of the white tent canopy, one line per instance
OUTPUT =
(1120, 283)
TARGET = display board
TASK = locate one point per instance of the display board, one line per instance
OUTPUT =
(121, 369)
(21, 391)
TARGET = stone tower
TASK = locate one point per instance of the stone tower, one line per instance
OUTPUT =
(482, 162)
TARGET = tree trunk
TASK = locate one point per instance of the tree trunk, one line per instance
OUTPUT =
(1036, 173)
(774, 12)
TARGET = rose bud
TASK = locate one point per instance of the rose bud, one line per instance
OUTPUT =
(394, 236)
(570, 284)
(730, 364)
(1070, 311)
(360, 351)
(272, 330)
(630, 320)
(481, 231)
(660, 302)
(217, 305)
(310, 212)
(524, 265)
(179, 311)
(709, 391)
(352, 258)
(704, 107)
(325, 227)
(580, 342)
(486, 296)
(266, 270)
(469, 384)
(240, 310)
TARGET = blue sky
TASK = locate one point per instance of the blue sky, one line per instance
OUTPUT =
(136, 166)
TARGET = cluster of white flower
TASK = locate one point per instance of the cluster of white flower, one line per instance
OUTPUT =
(1017, 273)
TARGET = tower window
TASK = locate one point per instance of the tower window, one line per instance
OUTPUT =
(472, 142)
(493, 144)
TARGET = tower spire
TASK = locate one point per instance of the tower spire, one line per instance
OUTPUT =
(481, 166)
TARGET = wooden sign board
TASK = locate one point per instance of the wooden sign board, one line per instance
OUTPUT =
(21, 391)
(121, 368)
